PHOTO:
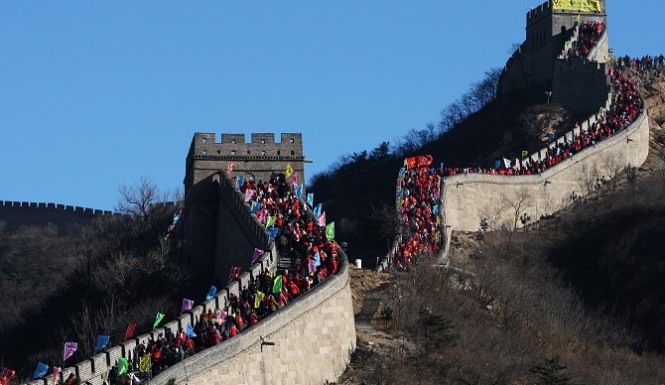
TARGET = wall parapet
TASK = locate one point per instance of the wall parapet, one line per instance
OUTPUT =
(53, 207)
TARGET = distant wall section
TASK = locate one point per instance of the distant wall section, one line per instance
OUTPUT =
(30, 213)
(468, 198)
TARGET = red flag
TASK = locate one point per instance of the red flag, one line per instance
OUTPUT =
(130, 330)
(424, 160)
(410, 163)
(235, 272)
(56, 371)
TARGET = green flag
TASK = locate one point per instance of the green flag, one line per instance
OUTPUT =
(277, 284)
(270, 221)
(123, 366)
(330, 230)
(158, 319)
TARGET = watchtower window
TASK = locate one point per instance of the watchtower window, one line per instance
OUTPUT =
(233, 152)
(279, 152)
(233, 141)
(205, 152)
(563, 29)
(293, 153)
(263, 153)
(263, 141)
(291, 140)
(247, 152)
(204, 140)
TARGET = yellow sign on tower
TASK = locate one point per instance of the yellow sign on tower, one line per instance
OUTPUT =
(577, 5)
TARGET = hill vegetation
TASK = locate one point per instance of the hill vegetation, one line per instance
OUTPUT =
(73, 285)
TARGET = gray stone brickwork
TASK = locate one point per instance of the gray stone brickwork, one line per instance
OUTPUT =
(468, 198)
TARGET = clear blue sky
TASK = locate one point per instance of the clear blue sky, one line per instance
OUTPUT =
(97, 94)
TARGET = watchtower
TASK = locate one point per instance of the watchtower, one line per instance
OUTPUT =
(207, 209)
(548, 27)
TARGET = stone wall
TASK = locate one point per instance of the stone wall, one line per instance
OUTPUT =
(31, 213)
(313, 338)
(95, 369)
(468, 198)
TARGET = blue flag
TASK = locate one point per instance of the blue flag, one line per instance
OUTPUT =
(190, 331)
(40, 370)
(310, 199)
(240, 181)
(299, 191)
(435, 209)
(255, 206)
(211, 293)
(102, 341)
(273, 233)
(402, 171)
(317, 210)
(497, 164)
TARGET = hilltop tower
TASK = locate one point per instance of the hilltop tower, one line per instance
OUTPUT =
(204, 211)
(539, 61)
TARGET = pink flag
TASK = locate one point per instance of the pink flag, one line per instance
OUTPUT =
(56, 372)
(248, 195)
(257, 254)
(187, 305)
(322, 219)
(294, 179)
(70, 348)
(230, 168)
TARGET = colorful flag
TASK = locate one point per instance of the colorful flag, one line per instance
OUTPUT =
(70, 348)
(257, 254)
(258, 298)
(187, 305)
(310, 199)
(435, 209)
(255, 207)
(330, 230)
(123, 366)
(230, 168)
(240, 181)
(272, 233)
(40, 370)
(506, 162)
(212, 292)
(56, 372)
(294, 179)
(144, 363)
(410, 163)
(102, 341)
(248, 195)
(289, 171)
(277, 284)
(525, 153)
(497, 164)
(235, 272)
(190, 331)
(317, 259)
(518, 166)
(317, 210)
(298, 191)
(322, 219)
(158, 319)
(270, 221)
(424, 160)
(130, 330)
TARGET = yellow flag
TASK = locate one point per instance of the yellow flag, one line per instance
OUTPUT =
(257, 300)
(144, 363)
(289, 171)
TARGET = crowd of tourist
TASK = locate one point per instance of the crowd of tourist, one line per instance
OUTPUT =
(645, 63)
(588, 35)
(419, 193)
(418, 209)
(626, 107)
(299, 236)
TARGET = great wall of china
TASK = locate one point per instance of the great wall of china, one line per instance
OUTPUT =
(312, 338)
